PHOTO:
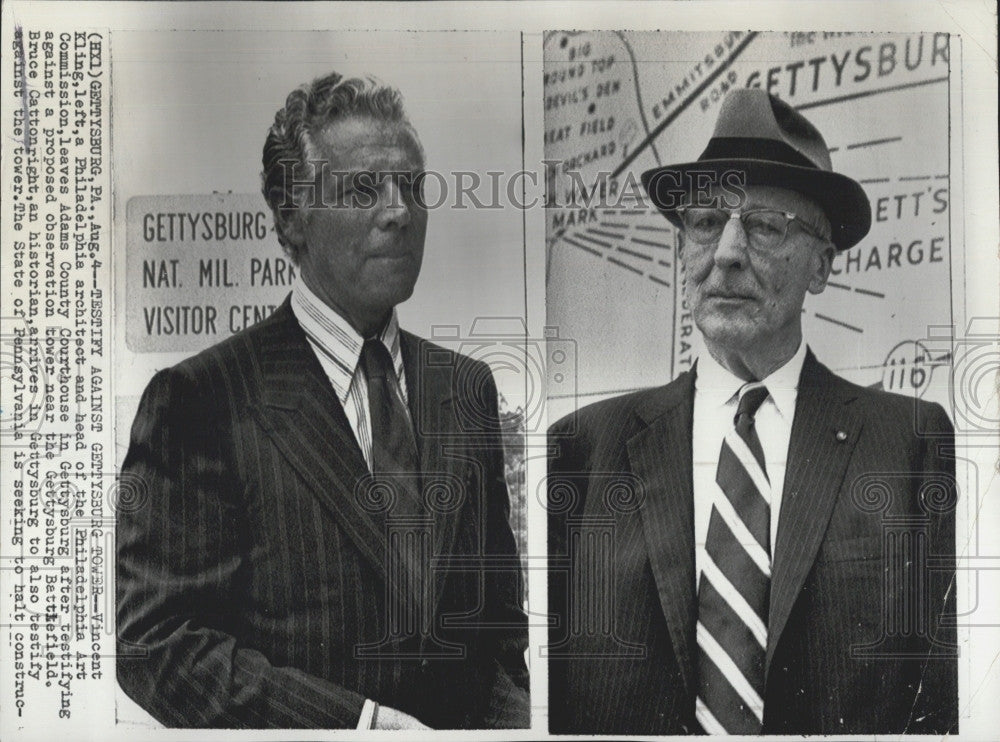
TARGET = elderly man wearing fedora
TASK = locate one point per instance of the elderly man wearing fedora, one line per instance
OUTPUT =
(780, 562)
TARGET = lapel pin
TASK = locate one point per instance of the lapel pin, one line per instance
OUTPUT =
(841, 436)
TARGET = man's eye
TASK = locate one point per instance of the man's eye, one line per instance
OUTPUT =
(411, 187)
(706, 219)
(764, 224)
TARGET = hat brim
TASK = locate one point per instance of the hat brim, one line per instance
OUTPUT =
(841, 198)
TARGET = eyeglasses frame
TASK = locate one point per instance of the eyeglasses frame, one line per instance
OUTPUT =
(790, 216)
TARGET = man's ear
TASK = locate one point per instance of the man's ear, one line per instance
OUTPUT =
(821, 267)
(293, 226)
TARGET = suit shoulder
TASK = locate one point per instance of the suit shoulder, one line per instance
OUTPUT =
(469, 378)
(228, 361)
(911, 413)
(898, 410)
(439, 354)
(615, 412)
(598, 414)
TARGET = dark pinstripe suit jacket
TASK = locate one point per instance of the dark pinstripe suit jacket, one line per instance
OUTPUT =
(250, 581)
(856, 640)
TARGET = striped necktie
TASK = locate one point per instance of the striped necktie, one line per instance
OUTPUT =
(736, 582)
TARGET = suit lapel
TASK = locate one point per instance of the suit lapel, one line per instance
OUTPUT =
(824, 433)
(430, 384)
(660, 455)
(306, 422)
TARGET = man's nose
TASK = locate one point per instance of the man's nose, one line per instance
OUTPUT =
(731, 251)
(394, 212)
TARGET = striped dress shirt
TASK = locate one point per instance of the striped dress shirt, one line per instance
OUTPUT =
(337, 345)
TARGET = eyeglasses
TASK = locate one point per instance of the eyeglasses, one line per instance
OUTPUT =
(766, 229)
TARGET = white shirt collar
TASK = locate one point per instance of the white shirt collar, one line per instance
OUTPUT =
(333, 336)
(720, 386)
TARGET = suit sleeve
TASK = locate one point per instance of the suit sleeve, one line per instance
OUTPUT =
(566, 490)
(935, 708)
(180, 558)
(508, 698)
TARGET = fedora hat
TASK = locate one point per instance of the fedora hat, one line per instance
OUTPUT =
(771, 144)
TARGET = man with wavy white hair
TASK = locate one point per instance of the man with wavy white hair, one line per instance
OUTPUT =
(312, 479)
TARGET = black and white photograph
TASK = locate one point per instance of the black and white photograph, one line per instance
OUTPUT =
(310, 475)
(319, 511)
(499, 370)
(752, 491)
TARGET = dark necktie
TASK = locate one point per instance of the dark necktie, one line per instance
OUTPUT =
(395, 460)
(735, 582)
(396, 466)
